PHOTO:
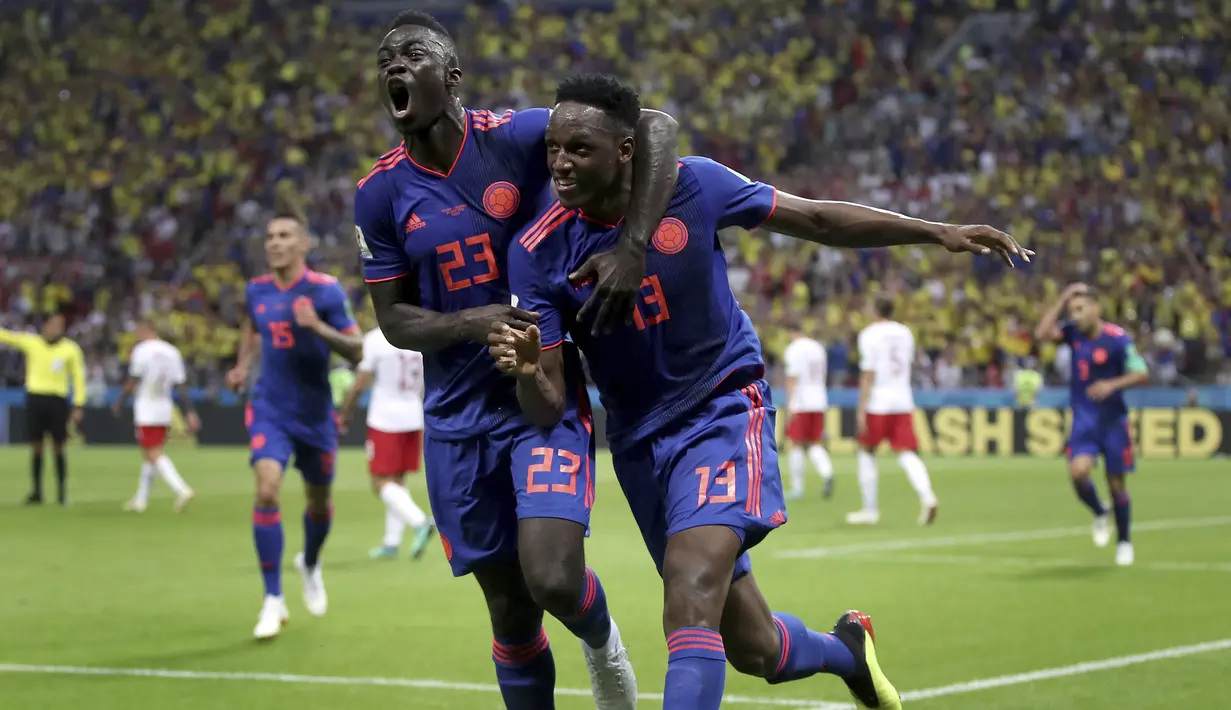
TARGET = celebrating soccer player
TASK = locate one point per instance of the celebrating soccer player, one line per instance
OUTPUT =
(395, 437)
(1105, 363)
(434, 220)
(690, 421)
(156, 373)
(296, 319)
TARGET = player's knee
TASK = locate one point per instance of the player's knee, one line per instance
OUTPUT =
(1080, 468)
(552, 555)
(318, 498)
(697, 572)
(513, 615)
(557, 589)
(750, 659)
(152, 454)
(37, 447)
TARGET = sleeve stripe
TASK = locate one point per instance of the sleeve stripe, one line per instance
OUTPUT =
(352, 330)
(546, 230)
(543, 219)
(387, 278)
(553, 346)
(772, 208)
(383, 165)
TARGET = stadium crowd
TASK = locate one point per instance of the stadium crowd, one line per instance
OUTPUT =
(147, 142)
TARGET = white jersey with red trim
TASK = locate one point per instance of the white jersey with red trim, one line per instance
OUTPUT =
(806, 361)
(887, 349)
(397, 390)
(159, 368)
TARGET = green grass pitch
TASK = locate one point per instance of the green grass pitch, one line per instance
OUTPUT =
(992, 608)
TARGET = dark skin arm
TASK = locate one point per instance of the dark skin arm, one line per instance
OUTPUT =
(618, 273)
(852, 226)
(539, 373)
(410, 327)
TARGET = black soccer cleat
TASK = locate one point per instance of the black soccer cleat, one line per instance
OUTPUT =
(34, 499)
(827, 488)
(868, 684)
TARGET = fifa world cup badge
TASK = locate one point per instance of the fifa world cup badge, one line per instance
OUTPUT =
(363, 243)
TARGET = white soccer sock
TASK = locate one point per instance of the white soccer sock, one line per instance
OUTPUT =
(143, 482)
(820, 461)
(166, 469)
(394, 527)
(868, 480)
(796, 468)
(918, 475)
(398, 501)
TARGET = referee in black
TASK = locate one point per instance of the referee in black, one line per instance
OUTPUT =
(55, 366)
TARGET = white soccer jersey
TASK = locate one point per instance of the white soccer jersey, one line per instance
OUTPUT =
(806, 361)
(397, 390)
(159, 367)
(887, 349)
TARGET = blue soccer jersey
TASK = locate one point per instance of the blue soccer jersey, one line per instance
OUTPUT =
(690, 421)
(689, 333)
(291, 411)
(453, 230)
(1100, 427)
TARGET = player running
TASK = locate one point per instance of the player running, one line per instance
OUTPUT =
(295, 319)
(156, 373)
(886, 413)
(395, 437)
(690, 422)
(1105, 363)
(807, 399)
(434, 220)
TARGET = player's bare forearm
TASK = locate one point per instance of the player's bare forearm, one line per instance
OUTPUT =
(845, 224)
(184, 398)
(541, 394)
(656, 167)
(349, 344)
(1132, 379)
(1046, 329)
(409, 327)
(865, 390)
(363, 381)
(249, 347)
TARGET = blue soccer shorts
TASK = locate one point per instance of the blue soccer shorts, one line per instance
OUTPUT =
(278, 437)
(481, 486)
(716, 466)
(1113, 442)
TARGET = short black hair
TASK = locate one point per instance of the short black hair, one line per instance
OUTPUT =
(605, 92)
(884, 306)
(1089, 293)
(417, 18)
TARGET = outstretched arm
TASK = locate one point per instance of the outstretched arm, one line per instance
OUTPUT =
(618, 273)
(845, 224)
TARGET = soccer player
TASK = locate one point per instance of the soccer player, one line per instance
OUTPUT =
(434, 222)
(295, 319)
(156, 373)
(807, 399)
(1105, 363)
(690, 421)
(886, 413)
(395, 436)
(55, 366)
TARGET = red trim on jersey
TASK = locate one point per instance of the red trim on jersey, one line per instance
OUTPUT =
(461, 149)
(486, 120)
(388, 161)
(543, 219)
(772, 208)
(548, 228)
(588, 218)
(553, 346)
(752, 441)
(303, 274)
(387, 278)
(317, 277)
(262, 279)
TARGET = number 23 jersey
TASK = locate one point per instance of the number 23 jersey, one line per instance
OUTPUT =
(452, 230)
(688, 335)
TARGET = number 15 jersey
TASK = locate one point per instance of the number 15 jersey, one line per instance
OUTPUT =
(452, 230)
(886, 349)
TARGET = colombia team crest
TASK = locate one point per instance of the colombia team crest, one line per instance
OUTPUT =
(501, 199)
(671, 237)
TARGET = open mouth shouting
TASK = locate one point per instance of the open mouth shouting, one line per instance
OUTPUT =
(399, 96)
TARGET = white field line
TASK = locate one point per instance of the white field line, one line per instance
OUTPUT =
(994, 561)
(954, 689)
(921, 543)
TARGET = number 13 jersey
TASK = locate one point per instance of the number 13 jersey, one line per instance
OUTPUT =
(452, 230)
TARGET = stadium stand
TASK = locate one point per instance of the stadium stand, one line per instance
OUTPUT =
(146, 142)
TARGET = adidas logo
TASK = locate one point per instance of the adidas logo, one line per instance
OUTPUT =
(777, 518)
(414, 223)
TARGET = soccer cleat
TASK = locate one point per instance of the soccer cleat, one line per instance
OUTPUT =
(927, 515)
(314, 596)
(383, 552)
(868, 684)
(34, 499)
(272, 618)
(422, 537)
(863, 517)
(135, 506)
(611, 674)
(1124, 554)
(182, 500)
(1101, 530)
(827, 488)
